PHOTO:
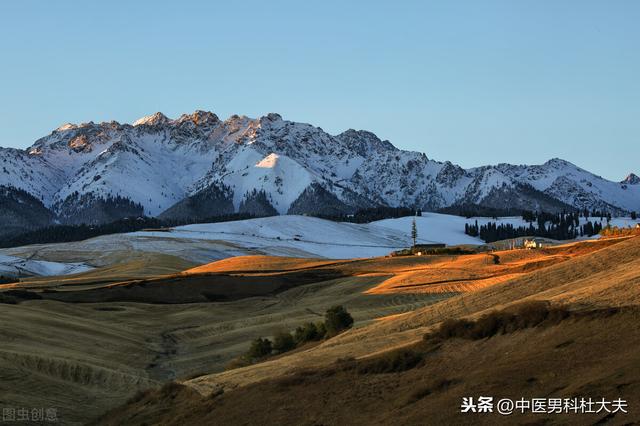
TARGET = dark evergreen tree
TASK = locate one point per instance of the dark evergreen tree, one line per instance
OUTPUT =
(563, 226)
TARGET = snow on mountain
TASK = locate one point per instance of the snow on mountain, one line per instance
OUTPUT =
(280, 177)
(31, 173)
(152, 120)
(197, 163)
(575, 186)
(151, 169)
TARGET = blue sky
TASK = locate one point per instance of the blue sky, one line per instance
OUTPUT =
(474, 82)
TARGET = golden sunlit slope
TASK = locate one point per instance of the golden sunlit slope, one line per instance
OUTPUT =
(101, 353)
(473, 272)
(261, 264)
(249, 276)
(605, 277)
(593, 357)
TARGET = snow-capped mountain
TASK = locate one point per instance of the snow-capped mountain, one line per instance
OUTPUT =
(198, 166)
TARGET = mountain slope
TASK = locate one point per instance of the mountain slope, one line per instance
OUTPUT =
(199, 166)
(21, 211)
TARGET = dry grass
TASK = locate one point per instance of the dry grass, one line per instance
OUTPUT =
(87, 357)
(262, 264)
(598, 275)
(569, 359)
(473, 272)
(84, 358)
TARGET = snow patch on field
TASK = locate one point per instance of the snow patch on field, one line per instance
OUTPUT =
(296, 236)
(313, 237)
(16, 266)
(310, 236)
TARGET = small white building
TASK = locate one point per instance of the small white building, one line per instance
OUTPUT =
(532, 244)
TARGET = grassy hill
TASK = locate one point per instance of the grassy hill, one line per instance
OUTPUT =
(90, 356)
(594, 354)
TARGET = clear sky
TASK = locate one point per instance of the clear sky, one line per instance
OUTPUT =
(473, 82)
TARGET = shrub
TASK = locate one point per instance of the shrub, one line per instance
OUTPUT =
(283, 342)
(393, 362)
(524, 315)
(322, 330)
(259, 348)
(347, 363)
(530, 314)
(238, 362)
(454, 328)
(171, 389)
(306, 333)
(337, 319)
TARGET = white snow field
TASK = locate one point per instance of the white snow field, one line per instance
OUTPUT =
(310, 236)
(296, 236)
(16, 266)
(287, 235)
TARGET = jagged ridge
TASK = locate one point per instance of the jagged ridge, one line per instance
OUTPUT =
(199, 166)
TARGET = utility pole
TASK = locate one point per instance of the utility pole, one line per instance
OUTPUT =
(414, 232)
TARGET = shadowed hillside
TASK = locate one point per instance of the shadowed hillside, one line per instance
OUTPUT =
(566, 359)
(103, 353)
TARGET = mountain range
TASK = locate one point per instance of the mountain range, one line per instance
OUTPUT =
(198, 166)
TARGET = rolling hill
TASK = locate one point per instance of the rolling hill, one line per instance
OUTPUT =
(99, 354)
(352, 377)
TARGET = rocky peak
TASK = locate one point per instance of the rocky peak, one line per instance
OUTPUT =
(66, 126)
(80, 143)
(355, 167)
(273, 116)
(199, 118)
(363, 141)
(152, 120)
(449, 174)
(632, 179)
(558, 163)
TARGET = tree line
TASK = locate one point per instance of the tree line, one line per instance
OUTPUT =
(69, 233)
(336, 320)
(559, 226)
